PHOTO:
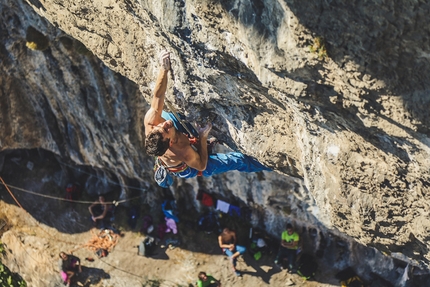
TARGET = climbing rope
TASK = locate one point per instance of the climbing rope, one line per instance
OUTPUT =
(115, 202)
(109, 181)
(11, 194)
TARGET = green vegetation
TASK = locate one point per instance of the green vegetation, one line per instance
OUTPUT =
(7, 278)
(318, 48)
(36, 40)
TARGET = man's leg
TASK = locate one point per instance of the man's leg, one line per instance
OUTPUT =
(230, 255)
(280, 256)
(291, 255)
(69, 276)
(239, 251)
(64, 276)
(219, 163)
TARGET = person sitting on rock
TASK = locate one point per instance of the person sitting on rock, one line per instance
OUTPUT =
(174, 143)
(69, 265)
(206, 280)
(101, 211)
(227, 241)
(288, 248)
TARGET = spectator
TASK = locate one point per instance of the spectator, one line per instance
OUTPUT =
(101, 211)
(288, 248)
(69, 265)
(206, 280)
(227, 241)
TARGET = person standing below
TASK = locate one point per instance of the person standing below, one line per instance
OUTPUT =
(227, 241)
(99, 211)
(69, 265)
(206, 280)
(288, 248)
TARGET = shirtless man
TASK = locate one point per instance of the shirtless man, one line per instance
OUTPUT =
(169, 141)
(99, 211)
(227, 241)
(176, 148)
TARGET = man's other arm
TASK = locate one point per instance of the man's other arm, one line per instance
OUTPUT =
(153, 115)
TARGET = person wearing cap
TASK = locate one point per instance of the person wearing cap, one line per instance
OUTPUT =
(288, 248)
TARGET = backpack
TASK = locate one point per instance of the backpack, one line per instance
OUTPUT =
(307, 266)
(146, 247)
(101, 252)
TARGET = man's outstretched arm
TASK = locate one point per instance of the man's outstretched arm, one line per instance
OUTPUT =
(153, 115)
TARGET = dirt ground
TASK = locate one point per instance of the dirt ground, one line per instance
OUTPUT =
(33, 250)
(34, 236)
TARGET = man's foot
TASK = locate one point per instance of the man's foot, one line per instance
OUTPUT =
(233, 262)
(238, 274)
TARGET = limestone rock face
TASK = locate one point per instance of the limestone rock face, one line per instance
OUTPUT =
(333, 95)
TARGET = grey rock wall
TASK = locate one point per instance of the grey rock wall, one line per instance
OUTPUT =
(349, 129)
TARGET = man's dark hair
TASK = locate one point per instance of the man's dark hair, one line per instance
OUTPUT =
(289, 226)
(155, 144)
(202, 273)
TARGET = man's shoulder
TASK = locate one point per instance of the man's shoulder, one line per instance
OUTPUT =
(152, 118)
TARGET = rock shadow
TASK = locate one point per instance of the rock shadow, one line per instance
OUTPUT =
(259, 271)
(89, 276)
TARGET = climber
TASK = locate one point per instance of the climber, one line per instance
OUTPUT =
(170, 142)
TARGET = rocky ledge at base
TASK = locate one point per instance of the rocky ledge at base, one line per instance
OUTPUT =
(34, 235)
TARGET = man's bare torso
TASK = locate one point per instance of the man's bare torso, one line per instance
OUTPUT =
(175, 154)
(228, 238)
